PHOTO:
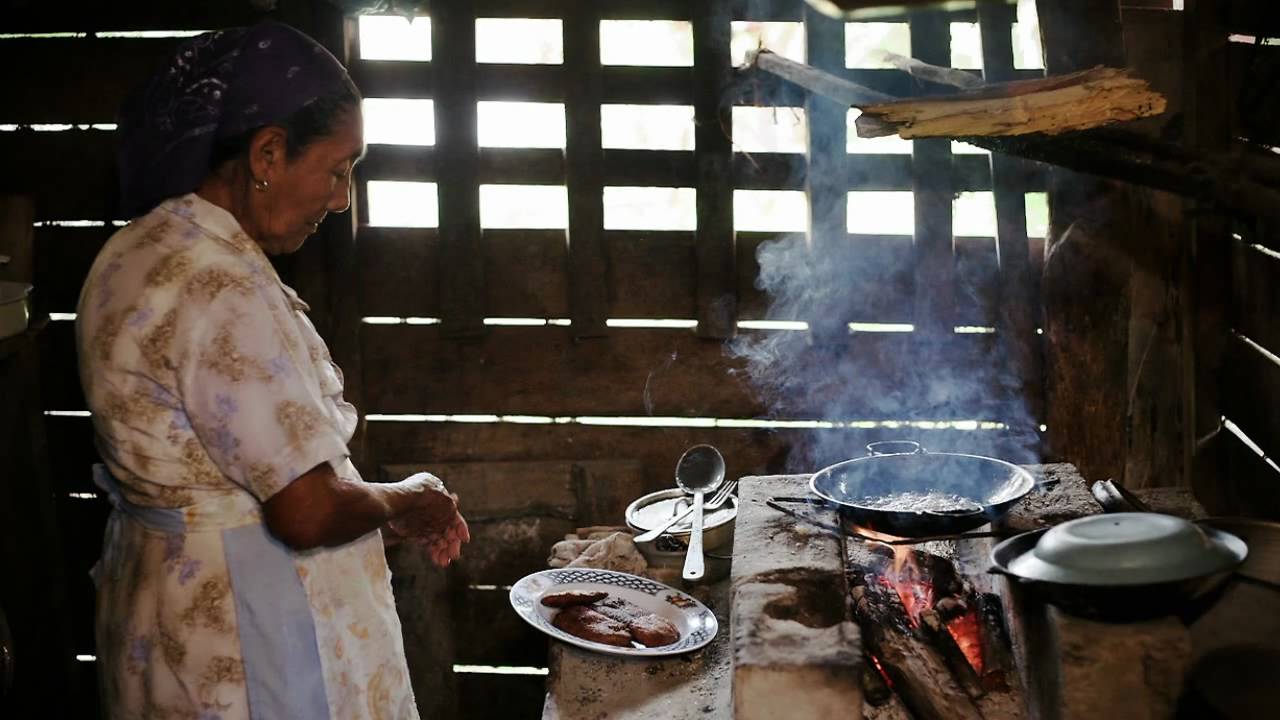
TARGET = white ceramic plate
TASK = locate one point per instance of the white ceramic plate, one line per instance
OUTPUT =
(697, 624)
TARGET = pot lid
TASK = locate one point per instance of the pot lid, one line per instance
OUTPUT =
(1128, 549)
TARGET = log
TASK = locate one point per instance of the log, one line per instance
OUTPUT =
(933, 73)
(1078, 101)
(1215, 178)
(935, 630)
(917, 670)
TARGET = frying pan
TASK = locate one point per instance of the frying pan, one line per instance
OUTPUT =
(988, 486)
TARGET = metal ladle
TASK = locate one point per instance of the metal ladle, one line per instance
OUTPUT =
(699, 471)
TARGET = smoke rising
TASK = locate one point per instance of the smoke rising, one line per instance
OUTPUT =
(864, 378)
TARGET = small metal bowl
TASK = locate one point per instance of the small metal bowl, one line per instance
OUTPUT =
(668, 550)
(1128, 549)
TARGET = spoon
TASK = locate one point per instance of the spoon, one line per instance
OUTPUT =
(699, 471)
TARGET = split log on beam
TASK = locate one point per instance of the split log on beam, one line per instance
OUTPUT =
(1189, 174)
(1078, 101)
(917, 671)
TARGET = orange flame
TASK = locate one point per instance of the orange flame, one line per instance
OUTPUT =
(880, 668)
(968, 637)
(905, 578)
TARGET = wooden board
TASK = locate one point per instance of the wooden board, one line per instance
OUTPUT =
(399, 271)
(518, 509)
(935, 291)
(72, 174)
(541, 371)
(588, 280)
(85, 15)
(59, 373)
(80, 80)
(63, 256)
(746, 451)
(481, 697)
(653, 275)
(461, 281)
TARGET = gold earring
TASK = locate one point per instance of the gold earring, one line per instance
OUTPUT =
(261, 185)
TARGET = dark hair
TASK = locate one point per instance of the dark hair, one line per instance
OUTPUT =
(309, 123)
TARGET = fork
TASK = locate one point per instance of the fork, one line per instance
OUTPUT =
(720, 498)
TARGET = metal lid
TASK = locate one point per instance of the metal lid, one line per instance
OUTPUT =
(1128, 549)
(653, 509)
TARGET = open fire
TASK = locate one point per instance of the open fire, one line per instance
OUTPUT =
(935, 639)
(915, 588)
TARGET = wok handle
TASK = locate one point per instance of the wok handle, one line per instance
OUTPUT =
(895, 447)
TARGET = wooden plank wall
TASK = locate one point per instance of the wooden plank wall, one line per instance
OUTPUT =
(424, 376)
(544, 410)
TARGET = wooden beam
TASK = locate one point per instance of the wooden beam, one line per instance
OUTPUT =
(935, 292)
(1086, 277)
(827, 191)
(1019, 308)
(1205, 258)
(665, 372)
(27, 17)
(461, 268)
(81, 80)
(588, 284)
(717, 306)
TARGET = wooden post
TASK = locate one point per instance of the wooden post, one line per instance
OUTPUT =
(462, 291)
(1086, 279)
(1206, 259)
(935, 292)
(584, 159)
(1019, 311)
(717, 297)
(826, 183)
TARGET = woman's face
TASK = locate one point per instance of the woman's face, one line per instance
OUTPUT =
(302, 190)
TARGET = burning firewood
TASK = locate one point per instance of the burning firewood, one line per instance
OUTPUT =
(1082, 100)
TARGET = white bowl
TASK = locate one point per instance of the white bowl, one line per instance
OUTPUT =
(1129, 549)
(15, 308)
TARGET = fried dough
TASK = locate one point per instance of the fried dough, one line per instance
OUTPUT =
(583, 622)
(572, 597)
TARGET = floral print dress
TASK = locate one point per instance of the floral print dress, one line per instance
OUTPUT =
(210, 392)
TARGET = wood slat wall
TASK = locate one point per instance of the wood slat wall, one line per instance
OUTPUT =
(1252, 374)
(460, 273)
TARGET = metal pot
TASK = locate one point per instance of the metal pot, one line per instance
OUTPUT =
(1263, 539)
(1187, 597)
(985, 488)
(667, 551)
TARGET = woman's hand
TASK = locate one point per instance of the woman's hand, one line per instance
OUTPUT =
(433, 519)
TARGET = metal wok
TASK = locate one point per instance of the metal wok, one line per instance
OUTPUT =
(986, 486)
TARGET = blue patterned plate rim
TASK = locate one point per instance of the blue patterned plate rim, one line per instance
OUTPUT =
(697, 624)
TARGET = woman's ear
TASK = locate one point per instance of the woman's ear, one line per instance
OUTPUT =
(267, 153)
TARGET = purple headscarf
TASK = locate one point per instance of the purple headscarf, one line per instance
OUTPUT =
(217, 85)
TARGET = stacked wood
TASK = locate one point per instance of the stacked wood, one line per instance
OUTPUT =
(1076, 101)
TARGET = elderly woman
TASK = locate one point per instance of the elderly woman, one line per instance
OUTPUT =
(242, 573)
